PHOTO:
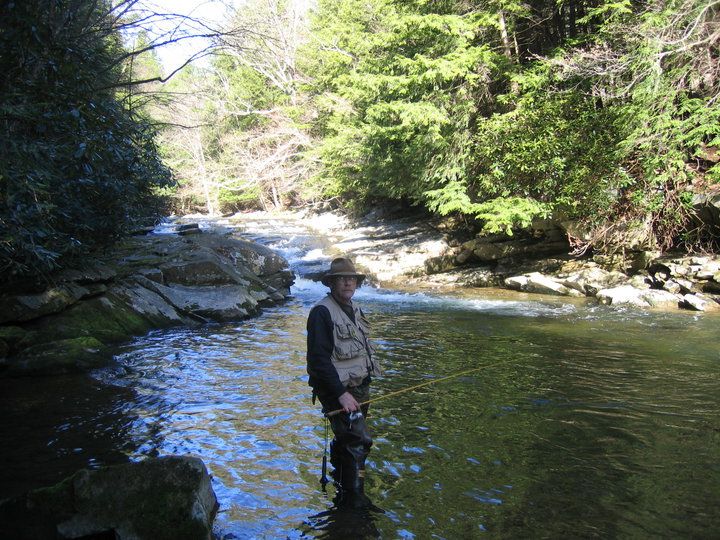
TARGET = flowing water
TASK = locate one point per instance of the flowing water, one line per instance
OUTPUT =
(585, 421)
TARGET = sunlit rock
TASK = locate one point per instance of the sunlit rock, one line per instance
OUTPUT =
(661, 299)
(622, 295)
(156, 281)
(592, 279)
(699, 302)
(540, 284)
(516, 283)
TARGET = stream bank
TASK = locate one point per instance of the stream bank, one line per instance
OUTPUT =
(420, 253)
(184, 276)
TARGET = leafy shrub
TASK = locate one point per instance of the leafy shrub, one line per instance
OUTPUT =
(77, 169)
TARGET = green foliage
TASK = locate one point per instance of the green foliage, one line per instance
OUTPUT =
(502, 111)
(76, 169)
(594, 111)
(401, 99)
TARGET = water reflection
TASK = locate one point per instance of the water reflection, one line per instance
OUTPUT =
(343, 520)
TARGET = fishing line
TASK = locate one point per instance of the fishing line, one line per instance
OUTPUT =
(416, 386)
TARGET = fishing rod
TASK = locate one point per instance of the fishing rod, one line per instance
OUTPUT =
(416, 386)
(323, 476)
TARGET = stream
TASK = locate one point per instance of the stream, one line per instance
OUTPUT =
(586, 421)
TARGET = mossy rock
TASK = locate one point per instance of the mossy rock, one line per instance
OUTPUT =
(163, 499)
(105, 318)
(35, 516)
(12, 334)
(60, 356)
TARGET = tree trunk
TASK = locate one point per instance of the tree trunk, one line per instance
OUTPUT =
(504, 35)
(204, 180)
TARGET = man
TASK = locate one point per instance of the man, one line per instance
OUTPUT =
(341, 363)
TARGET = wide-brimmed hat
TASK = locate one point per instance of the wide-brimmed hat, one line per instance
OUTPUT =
(342, 267)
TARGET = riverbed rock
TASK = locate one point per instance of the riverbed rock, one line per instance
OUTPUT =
(219, 303)
(699, 302)
(156, 281)
(421, 252)
(255, 262)
(591, 279)
(622, 295)
(57, 357)
(661, 298)
(516, 283)
(540, 284)
(393, 251)
(479, 276)
(25, 307)
(94, 272)
(156, 499)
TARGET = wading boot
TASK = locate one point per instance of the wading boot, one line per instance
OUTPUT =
(353, 481)
(336, 463)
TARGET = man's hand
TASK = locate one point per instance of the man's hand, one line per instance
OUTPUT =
(348, 402)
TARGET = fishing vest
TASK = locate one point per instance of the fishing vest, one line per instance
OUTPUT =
(352, 354)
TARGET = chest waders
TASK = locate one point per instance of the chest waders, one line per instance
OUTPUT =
(350, 447)
(353, 359)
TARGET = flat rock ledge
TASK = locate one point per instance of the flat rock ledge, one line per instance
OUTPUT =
(162, 498)
(144, 283)
(420, 254)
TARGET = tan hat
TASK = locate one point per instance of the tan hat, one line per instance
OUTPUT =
(342, 267)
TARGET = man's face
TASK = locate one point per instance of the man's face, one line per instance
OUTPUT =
(343, 288)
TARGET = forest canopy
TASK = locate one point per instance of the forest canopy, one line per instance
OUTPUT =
(603, 113)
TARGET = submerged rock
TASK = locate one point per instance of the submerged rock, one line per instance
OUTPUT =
(163, 498)
(60, 356)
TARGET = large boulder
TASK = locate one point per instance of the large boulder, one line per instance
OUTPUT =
(201, 269)
(26, 307)
(622, 295)
(218, 303)
(592, 279)
(155, 499)
(536, 282)
(699, 302)
(252, 260)
(661, 298)
(707, 210)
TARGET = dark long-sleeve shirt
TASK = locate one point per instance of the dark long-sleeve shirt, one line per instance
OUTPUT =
(320, 343)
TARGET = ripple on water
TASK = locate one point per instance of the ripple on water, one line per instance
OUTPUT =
(604, 422)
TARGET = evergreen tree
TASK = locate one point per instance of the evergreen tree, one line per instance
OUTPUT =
(77, 169)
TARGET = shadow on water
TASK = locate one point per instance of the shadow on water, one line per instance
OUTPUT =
(344, 520)
(53, 426)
